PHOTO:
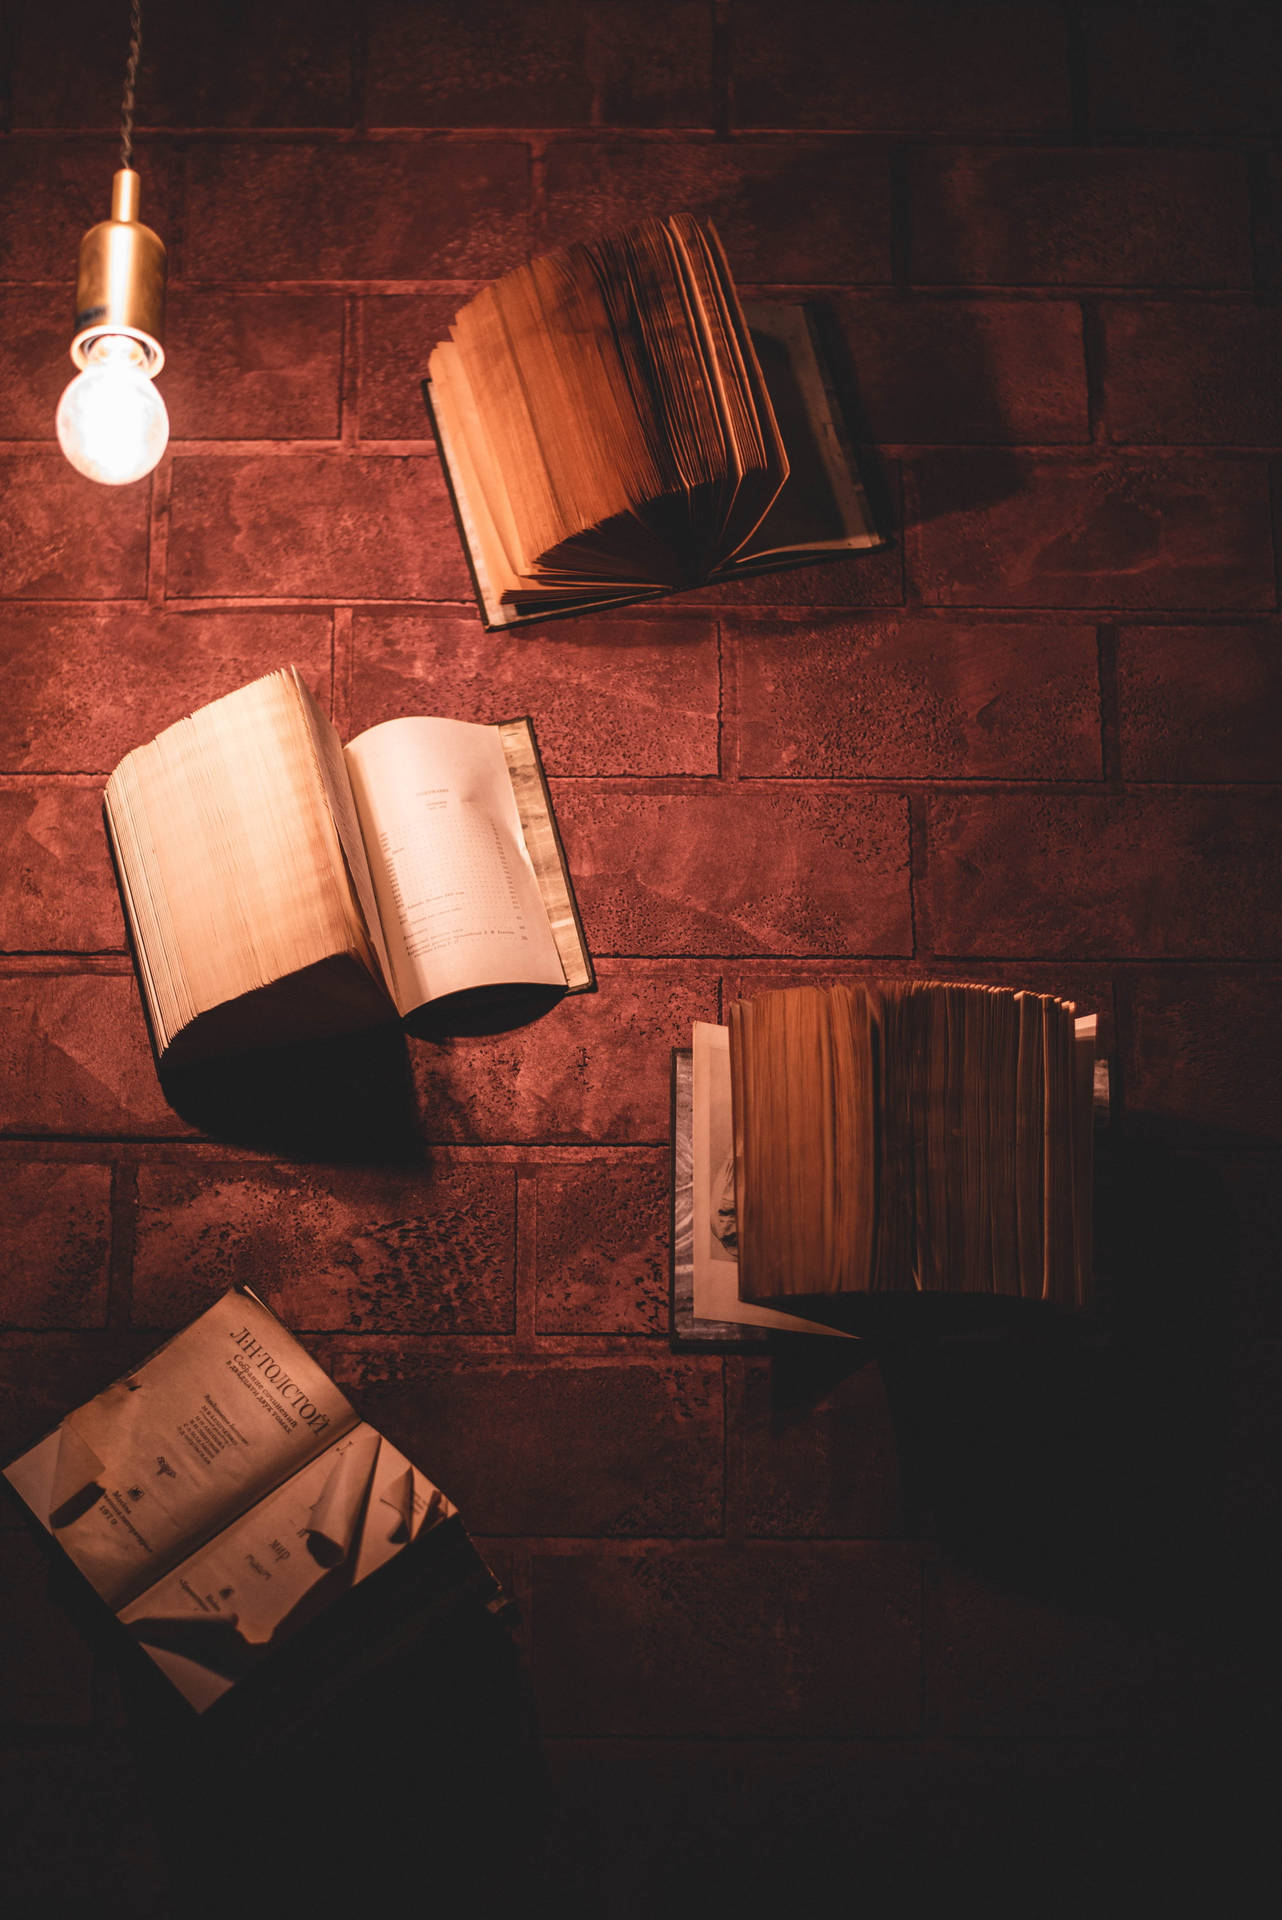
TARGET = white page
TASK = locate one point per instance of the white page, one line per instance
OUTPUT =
(457, 893)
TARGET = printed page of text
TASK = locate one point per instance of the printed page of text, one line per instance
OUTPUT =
(458, 896)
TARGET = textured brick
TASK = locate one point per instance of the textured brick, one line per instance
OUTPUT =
(1184, 69)
(766, 1640)
(1193, 373)
(42, 1376)
(748, 870)
(602, 1238)
(314, 525)
(537, 63)
(565, 1447)
(427, 1251)
(158, 664)
(62, 537)
(608, 693)
(941, 372)
(1200, 703)
(55, 1240)
(46, 1669)
(57, 891)
(1202, 1056)
(1071, 218)
(385, 210)
(287, 65)
(820, 1454)
(871, 579)
(921, 699)
(252, 366)
(35, 332)
(398, 332)
(1159, 875)
(785, 213)
(1004, 1663)
(889, 65)
(74, 1058)
(1004, 530)
(51, 194)
(597, 1069)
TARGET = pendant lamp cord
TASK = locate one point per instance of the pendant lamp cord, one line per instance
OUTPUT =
(131, 76)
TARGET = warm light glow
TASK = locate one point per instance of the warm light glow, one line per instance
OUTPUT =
(112, 423)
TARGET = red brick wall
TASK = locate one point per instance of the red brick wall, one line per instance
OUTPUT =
(949, 1613)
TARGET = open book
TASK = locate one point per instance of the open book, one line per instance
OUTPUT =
(854, 1145)
(279, 887)
(615, 424)
(225, 1493)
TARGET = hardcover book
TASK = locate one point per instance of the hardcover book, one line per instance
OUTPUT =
(225, 1494)
(850, 1147)
(616, 424)
(280, 887)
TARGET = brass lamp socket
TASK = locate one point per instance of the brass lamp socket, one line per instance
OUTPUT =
(120, 284)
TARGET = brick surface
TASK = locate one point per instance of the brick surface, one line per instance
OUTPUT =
(1200, 703)
(539, 63)
(892, 66)
(1123, 217)
(1203, 1061)
(764, 1640)
(385, 210)
(252, 366)
(750, 871)
(397, 334)
(55, 1242)
(610, 694)
(57, 892)
(818, 214)
(35, 366)
(878, 698)
(74, 1058)
(62, 537)
(1198, 373)
(874, 578)
(937, 372)
(42, 1377)
(428, 1251)
(160, 665)
(821, 1456)
(1155, 876)
(597, 1069)
(1003, 529)
(602, 1246)
(1181, 69)
(313, 526)
(289, 65)
(52, 194)
(565, 1448)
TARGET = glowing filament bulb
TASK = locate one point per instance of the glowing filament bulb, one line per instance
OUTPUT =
(112, 424)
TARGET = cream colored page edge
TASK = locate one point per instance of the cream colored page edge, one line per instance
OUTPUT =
(385, 763)
(716, 1282)
(534, 810)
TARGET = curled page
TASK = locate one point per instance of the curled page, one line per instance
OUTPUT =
(340, 1509)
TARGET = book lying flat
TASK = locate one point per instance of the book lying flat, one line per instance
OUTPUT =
(899, 1139)
(225, 1494)
(616, 424)
(279, 887)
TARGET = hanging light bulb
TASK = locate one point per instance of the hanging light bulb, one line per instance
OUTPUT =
(111, 421)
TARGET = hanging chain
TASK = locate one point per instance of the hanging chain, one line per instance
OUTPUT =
(131, 76)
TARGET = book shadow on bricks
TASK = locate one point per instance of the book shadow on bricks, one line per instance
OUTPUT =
(389, 1750)
(1069, 1456)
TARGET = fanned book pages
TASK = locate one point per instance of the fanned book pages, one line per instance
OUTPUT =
(856, 1145)
(616, 424)
(225, 1495)
(279, 887)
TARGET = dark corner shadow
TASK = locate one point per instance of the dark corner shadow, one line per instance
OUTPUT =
(422, 1769)
(1077, 1456)
(931, 421)
(345, 1099)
